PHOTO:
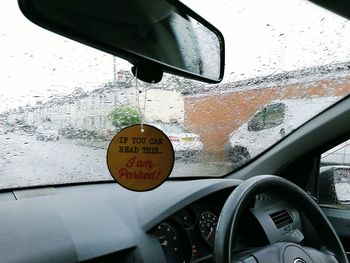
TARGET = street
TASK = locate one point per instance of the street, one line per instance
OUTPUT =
(25, 161)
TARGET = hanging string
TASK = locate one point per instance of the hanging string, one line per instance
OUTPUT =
(142, 109)
(138, 98)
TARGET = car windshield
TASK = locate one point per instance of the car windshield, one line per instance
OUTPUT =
(62, 102)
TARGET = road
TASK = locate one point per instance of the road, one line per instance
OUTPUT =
(25, 161)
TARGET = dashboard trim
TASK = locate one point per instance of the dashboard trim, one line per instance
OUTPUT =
(94, 220)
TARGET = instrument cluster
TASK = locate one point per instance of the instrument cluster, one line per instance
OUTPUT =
(189, 235)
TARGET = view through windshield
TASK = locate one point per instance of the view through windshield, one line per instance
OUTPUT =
(61, 102)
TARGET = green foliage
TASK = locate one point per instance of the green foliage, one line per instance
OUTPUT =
(123, 116)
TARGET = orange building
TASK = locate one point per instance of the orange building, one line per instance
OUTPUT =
(222, 112)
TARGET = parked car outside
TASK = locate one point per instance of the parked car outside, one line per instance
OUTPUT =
(269, 125)
(24, 128)
(185, 143)
(47, 135)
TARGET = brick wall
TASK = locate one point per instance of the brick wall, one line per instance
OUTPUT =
(222, 113)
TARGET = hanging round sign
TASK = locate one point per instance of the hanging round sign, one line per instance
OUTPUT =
(140, 158)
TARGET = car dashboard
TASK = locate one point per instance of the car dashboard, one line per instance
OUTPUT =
(104, 222)
(189, 234)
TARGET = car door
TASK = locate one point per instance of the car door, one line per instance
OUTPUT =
(334, 189)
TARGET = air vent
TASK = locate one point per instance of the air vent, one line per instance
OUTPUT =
(281, 218)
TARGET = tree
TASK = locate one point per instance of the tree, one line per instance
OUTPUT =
(124, 116)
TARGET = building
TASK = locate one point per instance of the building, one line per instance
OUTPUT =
(89, 111)
(232, 104)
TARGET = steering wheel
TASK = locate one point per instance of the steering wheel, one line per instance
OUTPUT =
(280, 252)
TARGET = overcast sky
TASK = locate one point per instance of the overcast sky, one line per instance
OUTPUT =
(262, 37)
(273, 35)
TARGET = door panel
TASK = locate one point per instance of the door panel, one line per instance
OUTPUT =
(340, 219)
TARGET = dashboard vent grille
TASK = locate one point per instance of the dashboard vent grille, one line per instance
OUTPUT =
(281, 218)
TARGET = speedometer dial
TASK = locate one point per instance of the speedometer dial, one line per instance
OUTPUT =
(171, 242)
(207, 227)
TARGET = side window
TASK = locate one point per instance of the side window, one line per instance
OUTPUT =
(269, 117)
(334, 176)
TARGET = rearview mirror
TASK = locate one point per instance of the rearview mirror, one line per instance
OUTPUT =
(162, 35)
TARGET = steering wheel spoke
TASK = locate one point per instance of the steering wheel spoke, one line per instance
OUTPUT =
(288, 252)
(285, 252)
